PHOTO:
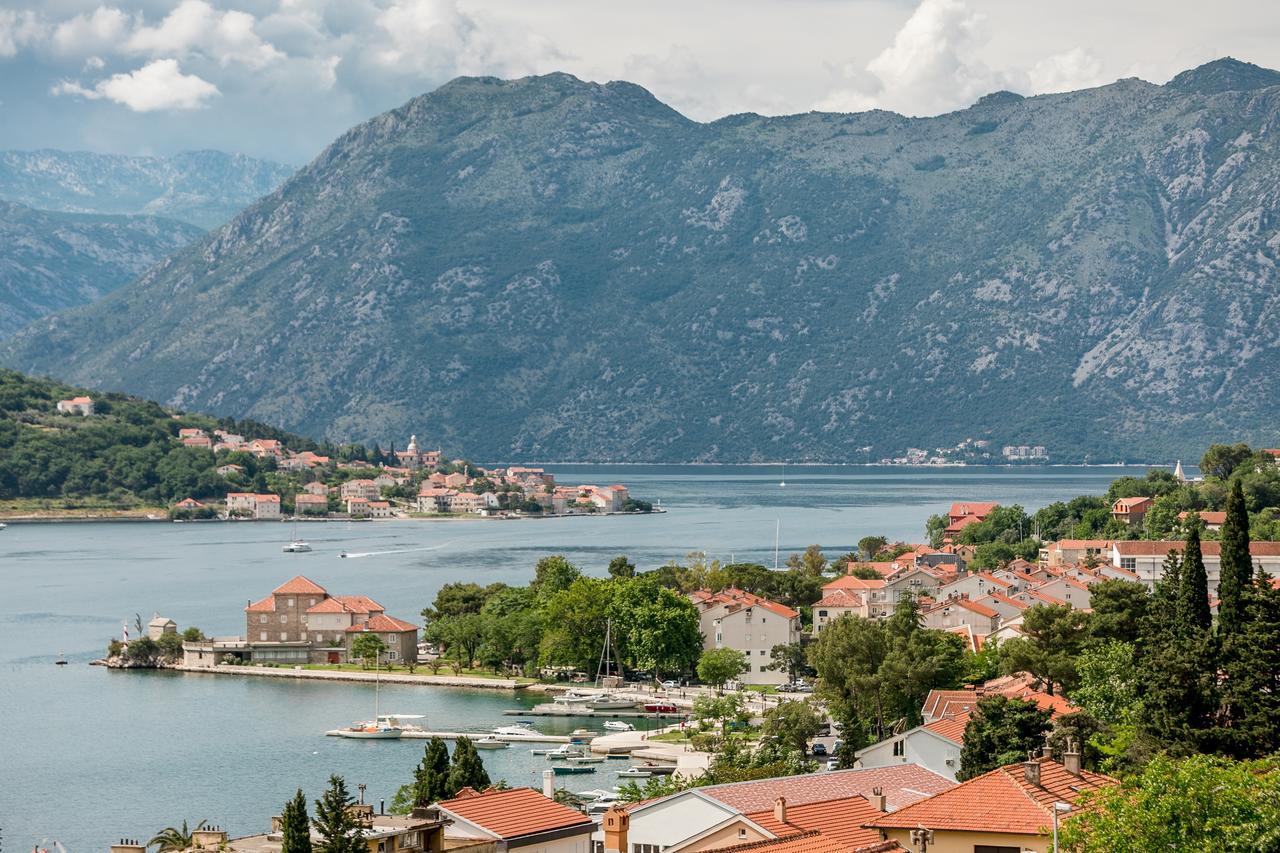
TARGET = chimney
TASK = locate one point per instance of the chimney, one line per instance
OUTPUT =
(780, 810)
(1046, 750)
(129, 845)
(879, 800)
(1071, 758)
(616, 822)
(549, 784)
(1031, 771)
(209, 838)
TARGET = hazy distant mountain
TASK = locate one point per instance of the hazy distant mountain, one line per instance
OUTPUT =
(50, 261)
(547, 268)
(205, 188)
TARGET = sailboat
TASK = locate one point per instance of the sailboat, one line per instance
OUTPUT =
(783, 483)
(380, 727)
(297, 546)
(607, 701)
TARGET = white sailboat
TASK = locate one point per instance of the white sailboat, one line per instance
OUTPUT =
(297, 546)
(607, 701)
(381, 727)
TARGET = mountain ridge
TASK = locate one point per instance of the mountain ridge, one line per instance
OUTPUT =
(577, 272)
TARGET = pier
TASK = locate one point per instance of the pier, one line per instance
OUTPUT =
(532, 737)
(553, 711)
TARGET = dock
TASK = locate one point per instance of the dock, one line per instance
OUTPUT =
(552, 711)
(533, 737)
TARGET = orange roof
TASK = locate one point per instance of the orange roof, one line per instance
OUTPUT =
(1080, 544)
(266, 605)
(1002, 800)
(382, 622)
(961, 523)
(839, 598)
(299, 586)
(514, 812)
(329, 605)
(805, 842)
(980, 509)
(950, 727)
(1132, 503)
(736, 599)
(361, 603)
(310, 499)
(851, 583)
(840, 819)
(901, 784)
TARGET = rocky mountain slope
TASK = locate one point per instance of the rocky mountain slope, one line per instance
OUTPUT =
(50, 261)
(547, 268)
(204, 188)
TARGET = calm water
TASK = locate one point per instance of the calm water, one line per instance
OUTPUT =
(88, 755)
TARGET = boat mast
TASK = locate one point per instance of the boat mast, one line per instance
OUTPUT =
(602, 669)
(377, 671)
(777, 534)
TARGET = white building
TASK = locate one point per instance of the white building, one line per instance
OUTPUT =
(753, 625)
(1146, 558)
(934, 746)
(76, 406)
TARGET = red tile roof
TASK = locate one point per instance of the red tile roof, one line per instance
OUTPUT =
(808, 842)
(850, 582)
(1207, 516)
(514, 812)
(839, 598)
(902, 784)
(361, 604)
(980, 509)
(1208, 547)
(299, 586)
(840, 819)
(266, 605)
(382, 622)
(950, 727)
(737, 599)
(999, 801)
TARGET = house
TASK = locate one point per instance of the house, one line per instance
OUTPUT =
(419, 832)
(229, 470)
(834, 604)
(433, 499)
(962, 515)
(365, 489)
(1131, 511)
(974, 585)
(1067, 552)
(941, 704)
(309, 504)
(161, 625)
(255, 506)
(379, 509)
(1073, 593)
(76, 406)
(1011, 808)
(191, 432)
(934, 746)
(515, 819)
(834, 804)
(1211, 520)
(753, 625)
(916, 581)
(188, 503)
(456, 480)
(953, 612)
(470, 502)
(1007, 607)
(358, 507)
(398, 636)
(264, 447)
(1146, 558)
(316, 488)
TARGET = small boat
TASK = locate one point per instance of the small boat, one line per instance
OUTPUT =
(343, 555)
(3, 525)
(661, 708)
(634, 773)
(564, 750)
(371, 731)
(567, 769)
(491, 743)
(586, 759)
(61, 661)
(658, 769)
(520, 729)
(297, 546)
(543, 750)
(618, 756)
(619, 726)
(609, 702)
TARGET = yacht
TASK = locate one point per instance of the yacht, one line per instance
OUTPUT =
(371, 730)
(491, 743)
(297, 546)
(619, 726)
(564, 750)
(609, 702)
(520, 729)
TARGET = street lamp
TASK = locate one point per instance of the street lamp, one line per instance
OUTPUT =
(1058, 808)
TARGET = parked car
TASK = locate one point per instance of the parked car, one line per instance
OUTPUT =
(670, 685)
(833, 765)
(819, 750)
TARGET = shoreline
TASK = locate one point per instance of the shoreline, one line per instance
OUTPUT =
(150, 518)
(427, 680)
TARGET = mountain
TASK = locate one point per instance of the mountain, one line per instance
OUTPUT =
(204, 188)
(50, 261)
(551, 269)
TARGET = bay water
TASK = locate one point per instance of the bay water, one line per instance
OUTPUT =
(89, 755)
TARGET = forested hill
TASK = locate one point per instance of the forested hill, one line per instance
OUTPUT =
(549, 268)
(124, 455)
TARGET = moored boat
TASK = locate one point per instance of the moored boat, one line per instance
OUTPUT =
(491, 743)
(567, 769)
(661, 708)
(619, 726)
(586, 759)
(297, 546)
(634, 773)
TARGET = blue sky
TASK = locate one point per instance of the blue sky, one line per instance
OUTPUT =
(281, 78)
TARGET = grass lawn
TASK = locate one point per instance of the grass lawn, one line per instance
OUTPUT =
(422, 670)
(77, 508)
(669, 737)
(761, 688)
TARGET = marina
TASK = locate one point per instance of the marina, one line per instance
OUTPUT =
(533, 737)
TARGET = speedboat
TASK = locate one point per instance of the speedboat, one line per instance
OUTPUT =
(297, 546)
(601, 804)
(491, 743)
(609, 702)
(634, 773)
(619, 726)
(520, 729)
(572, 698)
(564, 750)
(586, 759)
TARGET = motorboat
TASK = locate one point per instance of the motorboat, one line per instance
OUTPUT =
(609, 702)
(603, 803)
(564, 750)
(3, 525)
(619, 726)
(634, 773)
(572, 698)
(371, 731)
(491, 743)
(62, 660)
(520, 729)
(567, 769)
(581, 736)
(586, 759)
(658, 769)
(297, 546)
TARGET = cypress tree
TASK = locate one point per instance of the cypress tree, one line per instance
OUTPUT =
(1251, 701)
(431, 779)
(295, 826)
(1236, 573)
(1193, 595)
(339, 830)
(467, 770)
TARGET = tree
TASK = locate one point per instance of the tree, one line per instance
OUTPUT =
(1082, 731)
(1236, 567)
(170, 646)
(552, 575)
(869, 546)
(1001, 731)
(1107, 685)
(461, 636)
(339, 830)
(866, 573)
(368, 647)
(790, 658)
(792, 723)
(719, 666)
(467, 770)
(175, 838)
(1198, 803)
(456, 599)
(295, 826)
(193, 635)
(656, 628)
(1250, 713)
(1053, 637)
(1220, 460)
(1118, 607)
(1193, 594)
(430, 780)
(621, 567)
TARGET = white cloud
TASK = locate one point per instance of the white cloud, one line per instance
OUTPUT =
(101, 30)
(436, 39)
(196, 27)
(158, 85)
(1066, 72)
(19, 29)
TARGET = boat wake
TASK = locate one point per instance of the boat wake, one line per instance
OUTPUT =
(359, 555)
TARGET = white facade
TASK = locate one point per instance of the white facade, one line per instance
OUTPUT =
(682, 817)
(917, 746)
(752, 625)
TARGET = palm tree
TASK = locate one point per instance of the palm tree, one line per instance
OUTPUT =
(172, 838)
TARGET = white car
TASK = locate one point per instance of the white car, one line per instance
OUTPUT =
(669, 685)
(833, 765)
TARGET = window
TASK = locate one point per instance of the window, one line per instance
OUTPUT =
(742, 833)
(1129, 562)
(311, 602)
(410, 839)
(899, 747)
(597, 846)
(289, 602)
(319, 638)
(263, 636)
(263, 618)
(283, 637)
(645, 848)
(822, 613)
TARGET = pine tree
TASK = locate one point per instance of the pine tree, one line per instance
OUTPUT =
(1193, 594)
(1236, 573)
(339, 829)
(467, 770)
(1251, 701)
(431, 779)
(295, 826)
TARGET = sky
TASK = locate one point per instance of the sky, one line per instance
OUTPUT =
(280, 79)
